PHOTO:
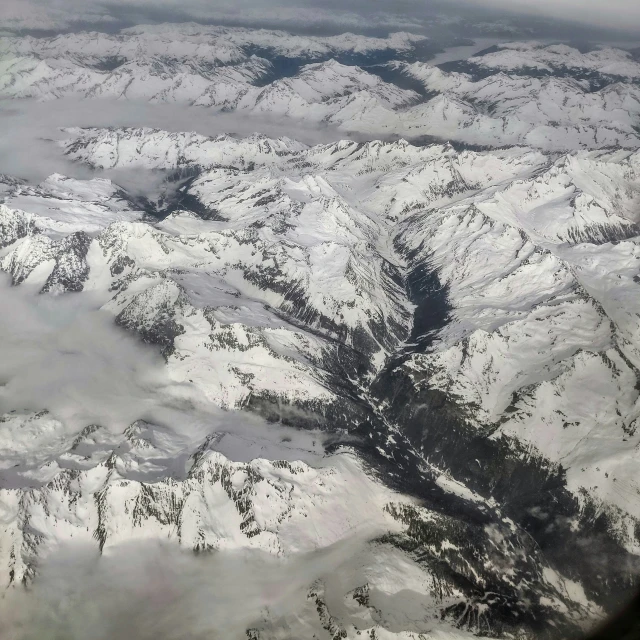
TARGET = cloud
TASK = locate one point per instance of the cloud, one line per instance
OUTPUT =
(153, 591)
(27, 150)
(64, 14)
(307, 14)
(616, 14)
(63, 354)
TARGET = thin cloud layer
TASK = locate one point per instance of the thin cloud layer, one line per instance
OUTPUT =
(28, 150)
(354, 15)
(111, 14)
(615, 14)
(153, 591)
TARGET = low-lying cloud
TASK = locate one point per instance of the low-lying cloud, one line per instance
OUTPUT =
(152, 591)
(65, 355)
(30, 129)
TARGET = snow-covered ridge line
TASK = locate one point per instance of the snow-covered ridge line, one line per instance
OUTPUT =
(212, 43)
(608, 61)
(216, 68)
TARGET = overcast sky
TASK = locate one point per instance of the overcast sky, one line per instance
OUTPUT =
(622, 14)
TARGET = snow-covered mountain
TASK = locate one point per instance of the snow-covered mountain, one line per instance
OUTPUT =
(559, 59)
(404, 375)
(550, 97)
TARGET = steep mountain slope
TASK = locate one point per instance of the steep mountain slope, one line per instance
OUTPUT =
(439, 315)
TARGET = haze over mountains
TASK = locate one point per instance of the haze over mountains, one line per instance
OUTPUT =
(348, 348)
